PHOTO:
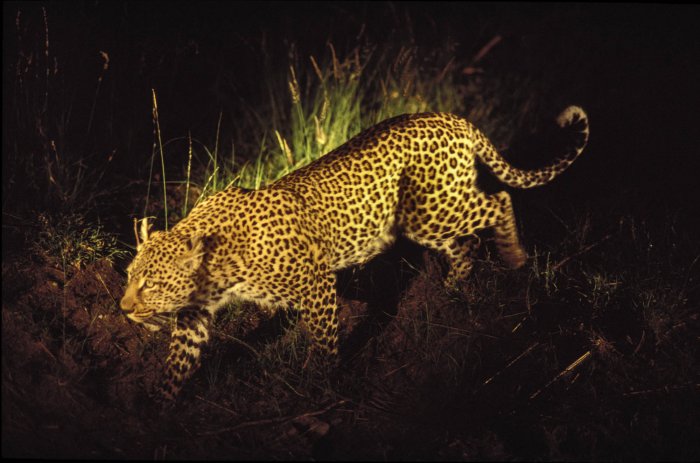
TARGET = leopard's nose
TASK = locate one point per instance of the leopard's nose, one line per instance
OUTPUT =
(127, 304)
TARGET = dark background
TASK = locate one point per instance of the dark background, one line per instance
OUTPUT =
(633, 67)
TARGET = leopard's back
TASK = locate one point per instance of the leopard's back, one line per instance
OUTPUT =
(413, 174)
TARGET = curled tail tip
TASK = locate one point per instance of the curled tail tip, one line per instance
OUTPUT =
(573, 115)
(574, 121)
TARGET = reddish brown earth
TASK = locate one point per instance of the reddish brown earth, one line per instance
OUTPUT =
(77, 374)
(425, 374)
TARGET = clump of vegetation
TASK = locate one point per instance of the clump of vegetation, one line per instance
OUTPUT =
(69, 240)
(323, 103)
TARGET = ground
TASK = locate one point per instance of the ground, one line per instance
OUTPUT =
(426, 374)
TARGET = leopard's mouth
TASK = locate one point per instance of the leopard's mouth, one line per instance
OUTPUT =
(150, 320)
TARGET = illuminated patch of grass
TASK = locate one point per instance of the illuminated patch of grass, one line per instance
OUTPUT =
(70, 240)
(320, 103)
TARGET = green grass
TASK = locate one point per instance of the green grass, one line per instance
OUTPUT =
(320, 105)
(321, 102)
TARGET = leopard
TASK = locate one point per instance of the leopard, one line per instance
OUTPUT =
(280, 246)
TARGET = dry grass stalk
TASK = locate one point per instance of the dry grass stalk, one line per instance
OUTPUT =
(294, 86)
(511, 363)
(317, 70)
(289, 156)
(156, 128)
(189, 167)
(336, 64)
(321, 138)
(280, 419)
(214, 404)
(566, 370)
(559, 264)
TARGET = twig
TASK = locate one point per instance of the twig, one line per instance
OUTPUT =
(266, 421)
(639, 345)
(241, 342)
(105, 67)
(486, 49)
(109, 293)
(136, 232)
(660, 389)
(45, 349)
(527, 351)
(471, 68)
(397, 369)
(582, 251)
(156, 128)
(568, 369)
(217, 405)
(46, 55)
(448, 327)
(688, 274)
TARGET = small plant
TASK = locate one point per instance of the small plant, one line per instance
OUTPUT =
(72, 242)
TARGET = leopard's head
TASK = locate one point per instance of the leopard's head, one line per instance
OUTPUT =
(162, 277)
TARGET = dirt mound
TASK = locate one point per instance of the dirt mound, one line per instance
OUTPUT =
(68, 352)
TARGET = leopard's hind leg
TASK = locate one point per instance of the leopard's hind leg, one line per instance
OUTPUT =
(505, 232)
(459, 241)
(459, 253)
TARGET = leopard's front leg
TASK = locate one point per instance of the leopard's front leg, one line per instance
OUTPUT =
(190, 333)
(319, 311)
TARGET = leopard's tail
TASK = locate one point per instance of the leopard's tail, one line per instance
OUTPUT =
(574, 120)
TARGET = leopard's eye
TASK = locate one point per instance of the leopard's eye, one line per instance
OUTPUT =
(148, 284)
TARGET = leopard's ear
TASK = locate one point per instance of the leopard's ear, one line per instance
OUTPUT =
(193, 256)
(144, 232)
